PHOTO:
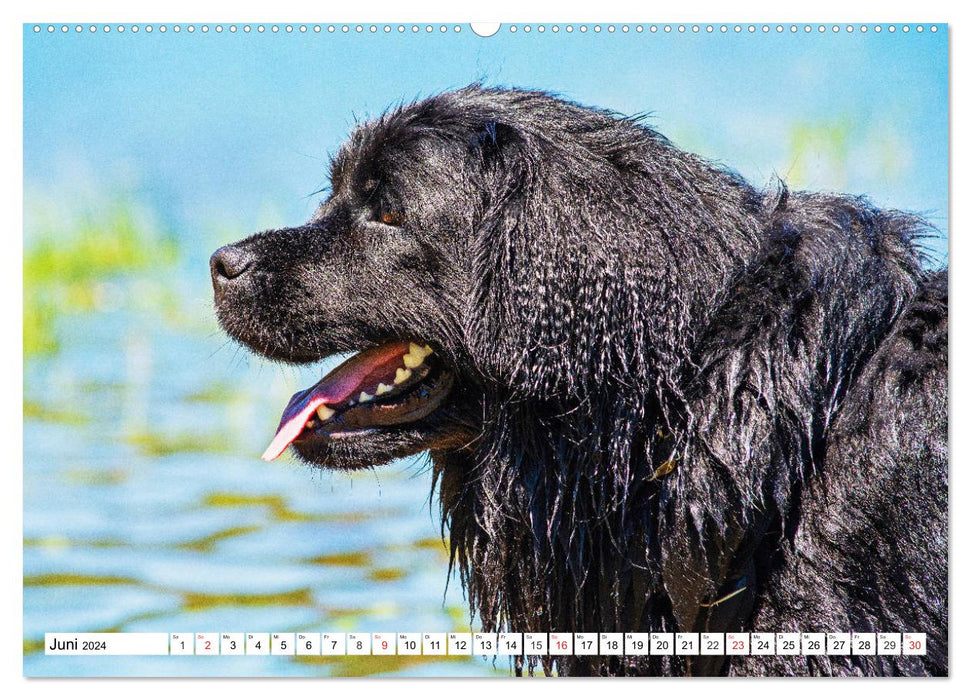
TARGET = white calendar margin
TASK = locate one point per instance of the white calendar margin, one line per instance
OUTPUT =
(441, 10)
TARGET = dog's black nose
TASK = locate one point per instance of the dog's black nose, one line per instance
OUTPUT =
(228, 264)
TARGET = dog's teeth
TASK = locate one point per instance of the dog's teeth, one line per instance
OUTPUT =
(324, 412)
(401, 375)
(383, 389)
(411, 361)
(364, 397)
(416, 355)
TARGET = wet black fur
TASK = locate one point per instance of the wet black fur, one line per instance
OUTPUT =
(673, 387)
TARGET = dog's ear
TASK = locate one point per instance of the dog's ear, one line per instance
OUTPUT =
(596, 256)
(546, 293)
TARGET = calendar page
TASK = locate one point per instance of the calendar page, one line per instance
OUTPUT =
(485, 350)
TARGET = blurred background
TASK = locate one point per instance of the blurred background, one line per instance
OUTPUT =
(146, 507)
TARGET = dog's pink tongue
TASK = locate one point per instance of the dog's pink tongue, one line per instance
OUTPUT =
(365, 368)
(295, 416)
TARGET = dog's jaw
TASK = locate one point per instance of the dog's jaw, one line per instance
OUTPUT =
(376, 446)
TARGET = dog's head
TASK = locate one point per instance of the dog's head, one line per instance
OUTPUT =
(477, 240)
(382, 270)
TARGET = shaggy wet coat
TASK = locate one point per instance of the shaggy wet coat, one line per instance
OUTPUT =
(680, 403)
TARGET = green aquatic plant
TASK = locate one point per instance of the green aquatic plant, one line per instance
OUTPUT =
(209, 542)
(76, 265)
(72, 579)
(279, 509)
(387, 574)
(301, 597)
(343, 559)
(53, 414)
(276, 505)
(154, 444)
(96, 245)
(215, 393)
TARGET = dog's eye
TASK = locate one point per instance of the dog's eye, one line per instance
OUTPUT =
(391, 218)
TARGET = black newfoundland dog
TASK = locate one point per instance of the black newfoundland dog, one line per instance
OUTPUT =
(655, 398)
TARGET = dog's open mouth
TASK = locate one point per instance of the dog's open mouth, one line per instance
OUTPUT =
(394, 383)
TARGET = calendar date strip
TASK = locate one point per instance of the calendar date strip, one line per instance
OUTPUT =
(486, 644)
